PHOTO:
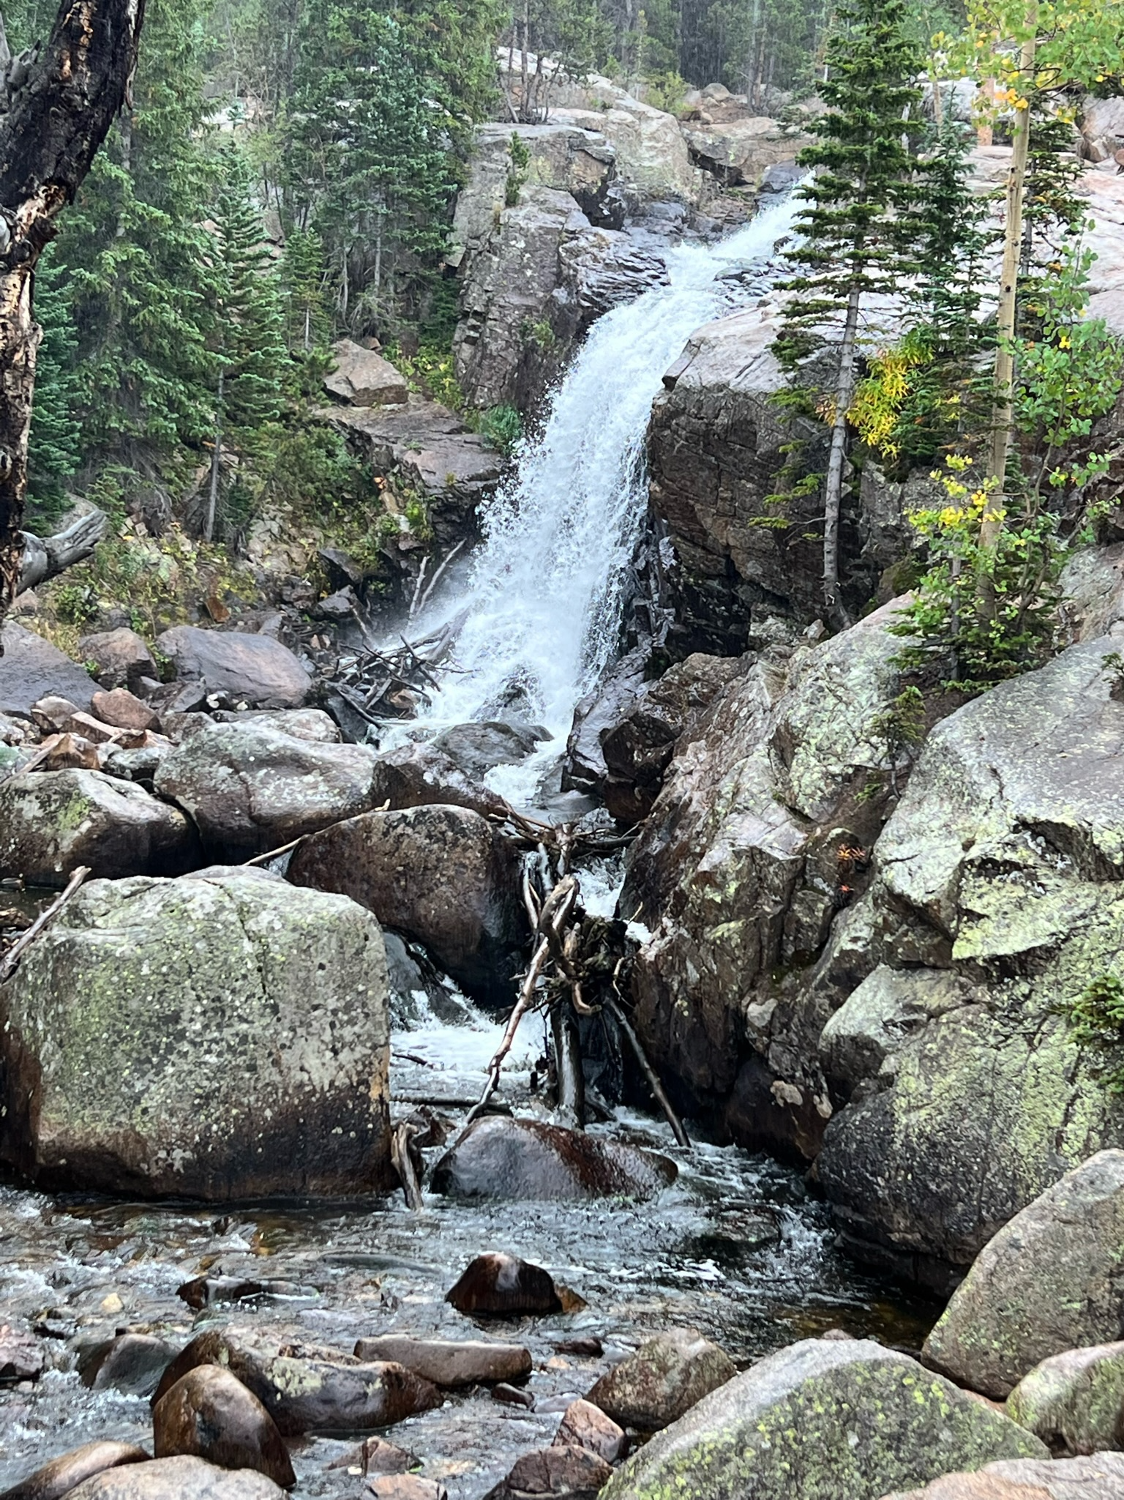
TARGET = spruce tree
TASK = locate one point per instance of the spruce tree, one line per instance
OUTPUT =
(248, 342)
(54, 444)
(855, 233)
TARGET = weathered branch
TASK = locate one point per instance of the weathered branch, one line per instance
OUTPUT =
(60, 105)
(46, 556)
(18, 949)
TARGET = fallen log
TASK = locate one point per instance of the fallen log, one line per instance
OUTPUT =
(46, 556)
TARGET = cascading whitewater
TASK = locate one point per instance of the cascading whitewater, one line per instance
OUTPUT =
(547, 587)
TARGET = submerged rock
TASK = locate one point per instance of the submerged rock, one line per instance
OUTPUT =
(1050, 1280)
(63, 1475)
(254, 669)
(250, 788)
(441, 875)
(504, 1286)
(306, 1387)
(219, 1038)
(1074, 1401)
(447, 1363)
(499, 1157)
(660, 1382)
(817, 1421)
(53, 821)
(1097, 1478)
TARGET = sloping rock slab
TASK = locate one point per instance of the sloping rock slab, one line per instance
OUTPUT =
(67, 1472)
(220, 1038)
(1050, 1280)
(177, 1479)
(1074, 1401)
(818, 1421)
(254, 669)
(502, 1158)
(31, 668)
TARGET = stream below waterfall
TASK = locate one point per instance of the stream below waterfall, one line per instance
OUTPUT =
(737, 1248)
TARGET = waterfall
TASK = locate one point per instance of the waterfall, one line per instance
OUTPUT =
(546, 589)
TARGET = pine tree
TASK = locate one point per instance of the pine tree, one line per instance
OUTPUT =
(54, 445)
(135, 258)
(953, 238)
(856, 232)
(248, 343)
(303, 274)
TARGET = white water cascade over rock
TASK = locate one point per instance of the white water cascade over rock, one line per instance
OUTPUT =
(544, 596)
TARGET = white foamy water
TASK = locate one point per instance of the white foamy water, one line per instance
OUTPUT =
(546, 589)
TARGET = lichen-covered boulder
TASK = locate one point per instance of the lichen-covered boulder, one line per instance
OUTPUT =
(441, 875)
(250, 788)
(53, 821)
(216, 1038)
(737, 872)
(1074, 1401)
(1098, 1478)
(997, 897)
(817, 1421)
(1052, 1279)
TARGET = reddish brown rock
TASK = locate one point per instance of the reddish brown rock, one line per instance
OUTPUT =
(584, 1425)
(66, 1473)
(500, 1157)
(374, 1455)
(124, 710)
(504, 1286)
(120, 657)
(1100, 1477)
(210, 1414)
(563, 1473)
(406, 1487)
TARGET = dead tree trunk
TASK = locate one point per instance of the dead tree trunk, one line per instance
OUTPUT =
(56, 110)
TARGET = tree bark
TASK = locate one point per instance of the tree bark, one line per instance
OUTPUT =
(46, 556)
(833, 485)
(49, 136)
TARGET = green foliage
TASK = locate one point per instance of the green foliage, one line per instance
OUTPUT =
(55, 446)
(502, 427)
(946, 630)
(1096, 1021)
(898, 731)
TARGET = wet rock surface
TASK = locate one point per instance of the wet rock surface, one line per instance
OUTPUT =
(447, 1363)
(63, 1475)
(568, 1472)
(208, 1413)
(180, 1478)
(499, 1157)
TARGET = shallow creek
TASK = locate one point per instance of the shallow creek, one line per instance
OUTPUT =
(737, 1248)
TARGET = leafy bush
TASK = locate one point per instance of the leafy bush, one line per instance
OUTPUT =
(1096, 1021)
(502, 427)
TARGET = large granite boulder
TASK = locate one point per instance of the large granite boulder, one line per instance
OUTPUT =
(180, 1478)
(31, 668)
(817, 1421)
(249, 787)
(997, 897)
(253, 669)
(1052, 1279)
(441, 875)
(121, 657)
(665, 1377)
(215, 1038)
(53, 821)
(652, 158)
(498, 1157)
